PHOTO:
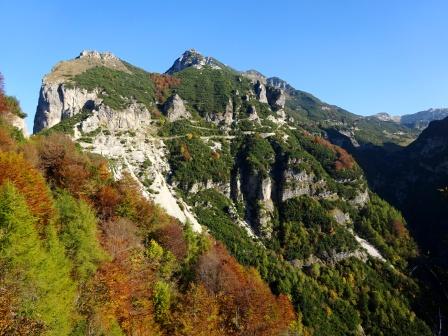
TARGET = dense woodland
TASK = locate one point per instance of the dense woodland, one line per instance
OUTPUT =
(94, 257)
(83, 254)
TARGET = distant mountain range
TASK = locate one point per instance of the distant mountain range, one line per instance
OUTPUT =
(419, 120)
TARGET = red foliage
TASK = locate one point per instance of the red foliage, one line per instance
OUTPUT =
(344, 159)
(399, 228)
(30, 183)
(247, 305)
(162, 85)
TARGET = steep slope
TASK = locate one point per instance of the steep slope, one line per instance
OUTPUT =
(243, 157)
(412, 179)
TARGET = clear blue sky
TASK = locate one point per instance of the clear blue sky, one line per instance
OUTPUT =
(367, 56)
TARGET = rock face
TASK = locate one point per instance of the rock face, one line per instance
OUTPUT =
(260, 91)
(256, 191)
(191, 58)
(133, 117)
(16, 121)
(57, 101)
(296, 183)
(276, 98)
(225, 118)
(174, 108)
(278, 83)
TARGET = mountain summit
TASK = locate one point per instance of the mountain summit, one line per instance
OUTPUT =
(192, 58)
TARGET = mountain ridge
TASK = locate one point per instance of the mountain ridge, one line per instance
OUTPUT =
(252, 163)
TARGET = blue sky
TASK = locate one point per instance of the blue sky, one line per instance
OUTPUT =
(366, 56)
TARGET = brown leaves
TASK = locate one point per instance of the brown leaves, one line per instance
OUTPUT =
(163, 84)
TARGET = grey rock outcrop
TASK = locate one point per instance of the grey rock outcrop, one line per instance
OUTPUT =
(253, 115)
(276, 98)
(361, 198)
(16, 121)
(260, 91)
(174, 108)
(57, 101)
(256, 189)
(225, 118)
(133, 117)
(223, 188)
(191, 58)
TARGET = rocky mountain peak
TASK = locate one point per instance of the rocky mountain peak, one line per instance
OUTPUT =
(93, 54)
(279, 83)
(192, 58)
(255, 76)
(383, 116)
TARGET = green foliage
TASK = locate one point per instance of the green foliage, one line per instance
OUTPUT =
(208, 90)
(257, 153)
(192, 160)
(39, 269)
(118, 88)
(78, 233)
(14, 107)
(161, 300)
(306, 228)
(383, 225)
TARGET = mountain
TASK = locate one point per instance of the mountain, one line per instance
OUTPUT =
(250, 161)
(421, 120)
(383, 116)
(418, 121)
(412, 177)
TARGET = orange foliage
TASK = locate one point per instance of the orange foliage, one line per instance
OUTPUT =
(399, 228)
(344, 159)
(7, 144)
(127, 279)
(146, 214)
(29, 182)
(107, 199)
(197, 313)
(162, 85)
(185, 152)
(247, 305)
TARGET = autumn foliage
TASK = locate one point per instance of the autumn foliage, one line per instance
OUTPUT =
(344, 159)
(30, 183)
(163, 84)
(247, 306)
